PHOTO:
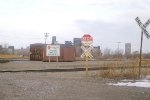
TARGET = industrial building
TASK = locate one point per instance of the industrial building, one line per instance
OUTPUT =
(1, 48)
(78, 50)
(38, 53)
(77, 41)
(68, 51)
(7, 50)
(53, 40)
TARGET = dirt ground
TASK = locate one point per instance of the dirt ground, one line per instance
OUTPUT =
(61, 85)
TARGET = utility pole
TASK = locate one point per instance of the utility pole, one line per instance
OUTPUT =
(46, 35)
(140, 54)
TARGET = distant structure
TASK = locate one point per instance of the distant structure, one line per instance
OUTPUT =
(77, 45)
(6, 49)
(53, 40)
(68, 43)
(23, 51)
(77, 41)
(127, 49)
(11, 49)
(1, 48)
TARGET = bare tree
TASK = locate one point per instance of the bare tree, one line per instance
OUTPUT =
(118, 53)
(107, 53)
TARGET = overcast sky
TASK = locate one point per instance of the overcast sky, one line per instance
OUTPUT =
(23, 22)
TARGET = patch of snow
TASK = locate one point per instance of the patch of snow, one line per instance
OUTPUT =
(136, 83)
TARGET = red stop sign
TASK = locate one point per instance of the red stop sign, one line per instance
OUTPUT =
(87, 39)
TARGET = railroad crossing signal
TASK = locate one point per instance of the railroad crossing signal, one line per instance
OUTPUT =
(143, 28)
(87, 50)
(87, 41)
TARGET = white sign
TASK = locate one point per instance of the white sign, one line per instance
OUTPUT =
(53, 50)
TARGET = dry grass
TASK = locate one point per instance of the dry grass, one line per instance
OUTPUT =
(9, 56)
(124, 70)
(145, 71)
(146, 62)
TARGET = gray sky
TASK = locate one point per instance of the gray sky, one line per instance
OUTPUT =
(23, 22)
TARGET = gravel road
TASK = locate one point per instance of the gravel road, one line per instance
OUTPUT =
(64, 86)
(61, 86)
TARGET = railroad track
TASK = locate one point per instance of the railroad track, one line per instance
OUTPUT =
(72, 69)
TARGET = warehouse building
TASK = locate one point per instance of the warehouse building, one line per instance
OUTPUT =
(38, 53)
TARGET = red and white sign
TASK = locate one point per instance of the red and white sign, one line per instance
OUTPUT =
(87, 40)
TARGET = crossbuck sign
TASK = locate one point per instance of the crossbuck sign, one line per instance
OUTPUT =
(143, 26)
(86, 41)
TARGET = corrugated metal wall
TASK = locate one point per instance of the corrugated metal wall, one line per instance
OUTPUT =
(36, 52)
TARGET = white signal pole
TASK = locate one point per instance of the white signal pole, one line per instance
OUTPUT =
(46, 35)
